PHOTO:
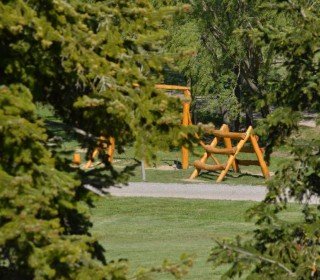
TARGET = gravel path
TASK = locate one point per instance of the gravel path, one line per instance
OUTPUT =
(195, 191)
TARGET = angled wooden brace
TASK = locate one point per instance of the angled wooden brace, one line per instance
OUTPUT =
(232, 157)
(258, 152)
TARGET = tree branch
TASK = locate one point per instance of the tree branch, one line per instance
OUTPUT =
(253, 256)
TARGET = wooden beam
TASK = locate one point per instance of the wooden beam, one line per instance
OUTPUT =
(220, 151)
(185, 122)
(198, 164)
(171, 87)
(111, 149)
(264, 167)
(222, 134)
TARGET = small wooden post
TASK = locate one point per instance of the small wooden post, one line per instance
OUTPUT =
(111, 148)
(76, 159)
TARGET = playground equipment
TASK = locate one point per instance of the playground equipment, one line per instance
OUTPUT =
(232, 152)
(102, 145)
(110, 148)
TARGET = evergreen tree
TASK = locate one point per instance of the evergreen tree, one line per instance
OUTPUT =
(84, 58)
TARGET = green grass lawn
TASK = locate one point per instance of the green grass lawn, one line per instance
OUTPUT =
(147, 230)
(250, 175)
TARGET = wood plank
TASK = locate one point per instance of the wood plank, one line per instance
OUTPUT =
(228, 144)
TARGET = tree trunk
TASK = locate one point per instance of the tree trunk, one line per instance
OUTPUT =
(249, 117)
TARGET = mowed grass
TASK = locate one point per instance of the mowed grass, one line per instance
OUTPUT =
(148, 230)
(249, 175)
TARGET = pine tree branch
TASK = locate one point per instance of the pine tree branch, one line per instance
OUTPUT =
(254, 256)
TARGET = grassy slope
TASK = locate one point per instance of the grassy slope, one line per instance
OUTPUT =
(147, 231)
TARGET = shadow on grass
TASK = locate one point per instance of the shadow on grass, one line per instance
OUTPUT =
(234, 178)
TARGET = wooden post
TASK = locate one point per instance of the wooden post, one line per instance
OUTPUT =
(185, 122)
(76, 159)
(111, 149)
(263, 165)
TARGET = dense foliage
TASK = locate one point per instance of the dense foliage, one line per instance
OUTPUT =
(82, 57)
(224, 63)
(282, 249)
(44, 226)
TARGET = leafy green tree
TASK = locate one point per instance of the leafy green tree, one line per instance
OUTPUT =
(222, 61)
(84, 58)
(281, 249)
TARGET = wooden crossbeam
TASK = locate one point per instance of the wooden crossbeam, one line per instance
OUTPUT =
(221, 151)
(221, 134)
(208, 167)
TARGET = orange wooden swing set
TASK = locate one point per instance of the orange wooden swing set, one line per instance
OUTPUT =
(223, 134)
(109, 148)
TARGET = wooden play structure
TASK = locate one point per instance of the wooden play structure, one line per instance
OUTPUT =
(103, 146)
(109, 146)
(231, 151)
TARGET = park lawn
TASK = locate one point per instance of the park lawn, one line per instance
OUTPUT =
(148, 230)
